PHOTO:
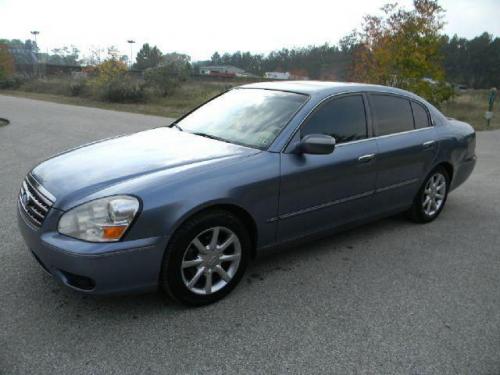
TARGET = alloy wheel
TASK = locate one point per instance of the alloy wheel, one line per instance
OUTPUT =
(434, 194)
(211, 260)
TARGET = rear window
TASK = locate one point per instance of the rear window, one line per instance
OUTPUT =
(420, 116)
(391, 114)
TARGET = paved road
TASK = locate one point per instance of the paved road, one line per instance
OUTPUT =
(391, 297)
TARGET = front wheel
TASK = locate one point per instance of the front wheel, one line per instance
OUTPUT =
(431, 197)
(206, 258)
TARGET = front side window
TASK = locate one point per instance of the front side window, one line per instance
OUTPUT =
(249, 117)
(420, 116)
(391, 114)
(342, 118)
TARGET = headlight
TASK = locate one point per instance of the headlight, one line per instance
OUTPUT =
(102, 220)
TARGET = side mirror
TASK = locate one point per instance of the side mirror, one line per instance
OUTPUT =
(317, 144)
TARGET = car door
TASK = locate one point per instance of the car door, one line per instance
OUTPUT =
(318, 192)
(406, 149)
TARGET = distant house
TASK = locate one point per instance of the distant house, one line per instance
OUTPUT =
(221, 71)
(277, 75)
(285, 75)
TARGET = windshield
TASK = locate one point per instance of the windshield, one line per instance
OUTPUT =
(249, 117)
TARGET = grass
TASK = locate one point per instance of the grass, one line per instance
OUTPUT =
(469, 106)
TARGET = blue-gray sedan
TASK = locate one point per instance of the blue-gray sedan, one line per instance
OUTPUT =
(185, 207)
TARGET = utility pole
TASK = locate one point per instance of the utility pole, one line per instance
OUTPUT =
(35, 33)
(131, 42)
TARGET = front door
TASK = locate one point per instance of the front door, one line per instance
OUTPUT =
(319, 192)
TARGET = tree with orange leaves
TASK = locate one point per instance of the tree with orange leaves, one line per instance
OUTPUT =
(7, 67)
(402, 48)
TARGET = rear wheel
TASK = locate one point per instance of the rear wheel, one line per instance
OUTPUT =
(206, 258)
(431, 197)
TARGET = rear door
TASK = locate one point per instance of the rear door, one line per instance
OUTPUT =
(318, 192)
(406, 148)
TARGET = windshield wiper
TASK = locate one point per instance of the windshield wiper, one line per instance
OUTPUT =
(210, 136)
(177, 126)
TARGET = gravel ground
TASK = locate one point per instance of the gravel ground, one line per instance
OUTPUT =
(390, 297)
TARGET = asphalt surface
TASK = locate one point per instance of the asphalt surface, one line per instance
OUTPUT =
(391, 297)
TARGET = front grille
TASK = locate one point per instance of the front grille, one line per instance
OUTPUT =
(34, 204)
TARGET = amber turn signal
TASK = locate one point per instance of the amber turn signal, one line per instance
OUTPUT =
(113, 232)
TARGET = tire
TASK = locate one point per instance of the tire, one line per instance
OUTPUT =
(423, 210)
(191, 258)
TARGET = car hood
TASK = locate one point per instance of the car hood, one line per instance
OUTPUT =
(98, 165)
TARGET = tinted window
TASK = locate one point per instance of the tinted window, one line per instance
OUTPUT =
(251, 117)
(420, 116)
(391, 114)
(343, 118)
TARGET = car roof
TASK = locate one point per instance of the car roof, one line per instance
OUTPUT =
(323, 88)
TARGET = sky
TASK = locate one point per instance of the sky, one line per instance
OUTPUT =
(198, 28)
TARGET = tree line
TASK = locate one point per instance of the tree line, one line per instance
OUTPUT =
(472, 62)
(316, 62)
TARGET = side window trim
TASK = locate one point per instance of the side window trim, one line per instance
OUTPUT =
(410, 100)
(429, 119)
(330, 99)
(368, 113)
(369, 116)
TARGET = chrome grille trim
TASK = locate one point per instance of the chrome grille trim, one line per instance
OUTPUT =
(34, 202)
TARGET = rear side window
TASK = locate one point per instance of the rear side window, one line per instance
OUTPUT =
(343, 118)
(391, 114)
(420, 116)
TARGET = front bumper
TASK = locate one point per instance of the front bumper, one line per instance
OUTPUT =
(94, 268)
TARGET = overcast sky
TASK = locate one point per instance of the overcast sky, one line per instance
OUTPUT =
(198, 28)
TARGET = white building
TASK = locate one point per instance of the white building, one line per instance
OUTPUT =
(277, 75)
(221, 69)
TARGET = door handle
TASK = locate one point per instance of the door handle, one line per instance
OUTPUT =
(366, 158)
(428, 144)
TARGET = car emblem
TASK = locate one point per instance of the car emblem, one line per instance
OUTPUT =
(25, 198)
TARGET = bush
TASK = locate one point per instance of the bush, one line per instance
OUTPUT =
(435, 92)
(166, 78)
(112, 83)
(110, 70)
(78, 88)
(12, 83)
(122, 90)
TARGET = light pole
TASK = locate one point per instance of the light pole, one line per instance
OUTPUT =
(35, 33)
(131, 42)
